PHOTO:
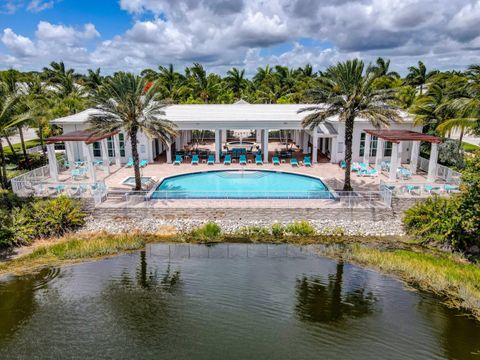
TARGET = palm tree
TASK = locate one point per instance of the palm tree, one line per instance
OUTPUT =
(262, 74)
(419, 76)
(123, 103)
(203, 86)
(381, 68)
(93, 79)
(236, 81)
(63, 79)
(345, 90)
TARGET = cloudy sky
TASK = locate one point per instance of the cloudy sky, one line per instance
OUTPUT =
(136, 34)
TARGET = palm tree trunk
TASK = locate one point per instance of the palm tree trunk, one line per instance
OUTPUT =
(42, 143)
(136, 162)
(460, 139)
(3, 170)
(348, 152)
(12, 149)
(421, 89)
(24, 149)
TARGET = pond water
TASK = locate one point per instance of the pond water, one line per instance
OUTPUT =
(225, 302)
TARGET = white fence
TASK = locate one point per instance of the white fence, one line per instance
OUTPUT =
(444, 173)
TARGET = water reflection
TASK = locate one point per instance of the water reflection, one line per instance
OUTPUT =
(17, 299)
(320, 302)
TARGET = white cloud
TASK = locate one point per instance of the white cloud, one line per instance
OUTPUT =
(225, 33)
(40, 5)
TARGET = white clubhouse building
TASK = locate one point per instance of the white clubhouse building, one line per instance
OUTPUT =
(327, 140)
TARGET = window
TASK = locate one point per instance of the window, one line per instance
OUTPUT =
(97, 152)
(121, 137)
(387, 151)
(111, 152)
(373, 145)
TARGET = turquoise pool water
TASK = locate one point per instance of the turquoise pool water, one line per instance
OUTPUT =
(241, 184)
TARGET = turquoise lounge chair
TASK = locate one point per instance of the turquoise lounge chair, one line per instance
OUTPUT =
(178, 160)
(129, 163)
(227, 160)
(411, 188)
(276, 160)
(195, 160)
(294, 162)
(211, 160)
(343, 164)
(143, 163)
(450, 188)
(369, 173)
(258, 160)
(243, 160)
(307, 161)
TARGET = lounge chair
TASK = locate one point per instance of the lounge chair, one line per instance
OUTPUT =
(143, 163)
(258, 160)
(368, 173)
(243, 160)
(294, 162)
(195, 159)
(411, 188)
(129, 163)
(450, 188)
(343, 164)
(276, 160)
(227, 160)
(307, 161)
(355, 167)
(211, 160)
(178, 160)
(431, 189)
(363, 166)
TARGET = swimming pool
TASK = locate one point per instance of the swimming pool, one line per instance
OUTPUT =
(241, 184)
(130, 181)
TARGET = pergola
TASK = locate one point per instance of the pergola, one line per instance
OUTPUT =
(86, 138)
(397, 138)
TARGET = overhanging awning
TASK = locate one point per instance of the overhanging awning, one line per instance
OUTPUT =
(396, 136)
(327, 129)
(85, 136)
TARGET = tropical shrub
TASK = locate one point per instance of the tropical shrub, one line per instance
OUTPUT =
(207, 232)
(301, 228)
(453, 221)
(449, 154)
(47, 218)
(278, 230)
(254, 231)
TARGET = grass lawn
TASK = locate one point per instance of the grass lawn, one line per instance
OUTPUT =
(467, 147)
(18, 147)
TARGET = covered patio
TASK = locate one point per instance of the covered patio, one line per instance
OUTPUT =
(79, 154)
(400, 139)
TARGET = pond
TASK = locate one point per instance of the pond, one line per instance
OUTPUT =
(225, 302)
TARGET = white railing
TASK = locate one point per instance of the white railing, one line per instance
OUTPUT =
(420, 189)
(256, 199)
(35, 149)
(443, 172)
(52, 189)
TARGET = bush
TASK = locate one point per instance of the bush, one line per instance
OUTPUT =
(209, 231)
(47, 218)
(253, 231)
(278, 230)
(301, 228)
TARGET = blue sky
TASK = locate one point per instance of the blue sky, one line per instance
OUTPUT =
(137, 34)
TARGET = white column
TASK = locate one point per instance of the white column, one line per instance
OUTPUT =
(52, 162)
(69, 152)
(169, 152)
(314, 146)
(178, 142)
(394, 162)
(366, 149)
(258, 134)
(265, 146)
(105, 157)
(432, 163)
(88, 152)
(224, 135)
(116, 145)
(333, 149)
(217, 145)
(400, 154)
(414, 156)
(305, 142)
(324, 145)
(379, 156)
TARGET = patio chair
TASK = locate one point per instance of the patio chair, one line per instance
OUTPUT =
(143, 163)
(276, 160)
(211, 160)
(307, 161)
(385, 165)
(405, 173)
(227, 160)
(195, 159)
(258, 160)
(343, 164)
(178, 160)
(355, 167)
(363, 166)
(294, 162)
(412, 188)
(430, 189)
(129, 163)
(243, 160)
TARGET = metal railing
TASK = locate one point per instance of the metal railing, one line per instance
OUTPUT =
(420, 189)
(443, 172)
